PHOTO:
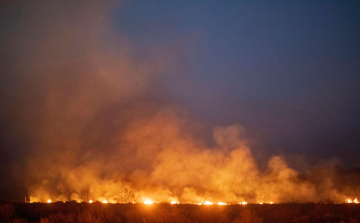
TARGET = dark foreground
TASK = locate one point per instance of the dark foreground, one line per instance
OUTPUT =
(99, 213)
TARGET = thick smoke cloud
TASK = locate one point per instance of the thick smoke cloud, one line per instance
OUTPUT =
(84, 117)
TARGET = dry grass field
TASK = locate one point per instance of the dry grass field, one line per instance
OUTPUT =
(133, 213)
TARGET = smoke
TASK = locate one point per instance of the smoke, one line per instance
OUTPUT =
(85, 117)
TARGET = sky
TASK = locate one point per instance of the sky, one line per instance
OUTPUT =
(82, 76)
(288, 71)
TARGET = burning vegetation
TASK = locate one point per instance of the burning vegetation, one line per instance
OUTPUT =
(108, 213)
(181, 170)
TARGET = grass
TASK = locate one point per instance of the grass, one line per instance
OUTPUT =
(134, 213)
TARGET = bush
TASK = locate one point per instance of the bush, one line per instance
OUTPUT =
(7, 212)
(248, 216)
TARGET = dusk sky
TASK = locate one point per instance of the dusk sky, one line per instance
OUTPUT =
(288, 72)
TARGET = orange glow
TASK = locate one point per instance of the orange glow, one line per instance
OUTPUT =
(355, 201)
(161, 160)
(105, 202)
(208, 203)
(49, 201)
(221, 203)
(90, 201)
(148, 201)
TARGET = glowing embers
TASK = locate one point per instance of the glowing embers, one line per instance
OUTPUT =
(355, 201)
(266, 202)
(148, 201)
(243, 203)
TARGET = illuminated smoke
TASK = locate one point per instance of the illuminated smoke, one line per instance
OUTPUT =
(99, 128)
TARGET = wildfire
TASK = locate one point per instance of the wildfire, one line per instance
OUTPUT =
(355, 201)
(105, 202)
(221, 203)
(148, 201)
(243, 203)
(174, 202)
(90, 201)
(208, 203)
(271, 202)
(49, 201)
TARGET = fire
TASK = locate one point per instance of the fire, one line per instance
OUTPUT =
(243, 203)
(174, 202)
(49, 201)
(148, 201)
(221, 203)
(271, 202)
(105, 202)
(208, 203)
(90, 201)
(355, 201)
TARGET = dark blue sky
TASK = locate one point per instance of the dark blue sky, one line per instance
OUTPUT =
(288, 71)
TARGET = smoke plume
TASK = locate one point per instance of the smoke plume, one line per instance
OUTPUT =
(84, 116)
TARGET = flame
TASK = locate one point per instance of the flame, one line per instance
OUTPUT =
(105, 202)
(221, 203)
(199, 204)
(90, 201)
(243, 203)
(208, 203)
(271, 202)
(49, 201)
(174, 202)
(355, 201)
(148, 201)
